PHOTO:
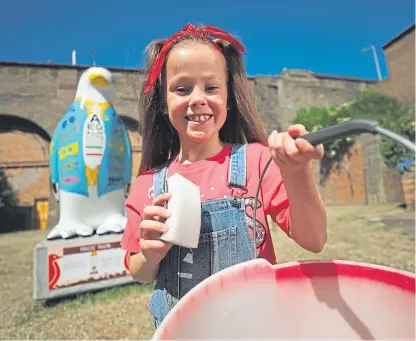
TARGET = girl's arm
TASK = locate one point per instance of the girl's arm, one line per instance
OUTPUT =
(141, 269)
(307, 221)
(141, 236)
(307, 212)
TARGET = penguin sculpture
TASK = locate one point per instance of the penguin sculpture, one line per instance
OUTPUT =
(90, 161)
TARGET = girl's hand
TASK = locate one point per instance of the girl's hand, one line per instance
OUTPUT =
(152, 248)
(291, 154)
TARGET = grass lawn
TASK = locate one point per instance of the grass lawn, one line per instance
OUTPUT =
(121, 313)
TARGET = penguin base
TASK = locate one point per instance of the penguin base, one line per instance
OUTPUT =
(67, 267)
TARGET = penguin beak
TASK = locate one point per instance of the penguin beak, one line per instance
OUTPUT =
(98, 80)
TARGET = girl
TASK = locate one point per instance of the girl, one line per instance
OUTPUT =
(198, 119)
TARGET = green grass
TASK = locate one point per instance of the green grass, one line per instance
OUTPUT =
(121, 313)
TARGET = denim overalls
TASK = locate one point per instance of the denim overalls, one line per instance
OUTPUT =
(225, 240)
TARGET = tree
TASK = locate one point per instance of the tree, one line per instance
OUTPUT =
(391, 114)
(8, 199)
(371, 105)
(317, 118)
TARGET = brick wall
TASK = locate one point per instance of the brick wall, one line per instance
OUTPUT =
(349, 184)
(42, 93)
(346, 183)
(400, 56)
(29, 179)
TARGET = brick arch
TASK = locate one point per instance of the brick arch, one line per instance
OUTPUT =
(24, 155)
(44, 123)
(12, 122)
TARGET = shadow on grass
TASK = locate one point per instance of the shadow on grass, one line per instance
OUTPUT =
(98, 295)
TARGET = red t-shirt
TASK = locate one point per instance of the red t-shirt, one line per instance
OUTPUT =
(211, 177)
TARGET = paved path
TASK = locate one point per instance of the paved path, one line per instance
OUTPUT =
(406, 220)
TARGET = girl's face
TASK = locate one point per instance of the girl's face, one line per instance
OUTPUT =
(196, 91)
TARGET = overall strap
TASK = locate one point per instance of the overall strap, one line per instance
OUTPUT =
(159, 181)
(237, 167)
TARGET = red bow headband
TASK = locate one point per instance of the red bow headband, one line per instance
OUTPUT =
(203, 32)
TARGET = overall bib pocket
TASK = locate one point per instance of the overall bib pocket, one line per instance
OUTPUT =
(216, 251)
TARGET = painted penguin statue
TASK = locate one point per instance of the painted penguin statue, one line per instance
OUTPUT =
(90, 161)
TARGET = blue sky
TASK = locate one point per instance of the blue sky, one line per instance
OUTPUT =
(319, 35)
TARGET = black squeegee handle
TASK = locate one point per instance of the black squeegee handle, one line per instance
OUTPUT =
(340, 131)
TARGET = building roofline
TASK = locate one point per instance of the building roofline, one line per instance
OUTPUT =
(137, 70)
(68, 66)
(329, 76)
(399, 36)
(344, 78)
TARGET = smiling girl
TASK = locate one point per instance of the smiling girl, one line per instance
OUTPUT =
(198, 119)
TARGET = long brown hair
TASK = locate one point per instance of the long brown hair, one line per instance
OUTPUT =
(160, 139)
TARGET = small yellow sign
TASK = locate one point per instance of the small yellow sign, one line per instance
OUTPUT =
(42, 210)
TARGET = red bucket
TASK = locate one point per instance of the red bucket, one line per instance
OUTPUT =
(299, 300)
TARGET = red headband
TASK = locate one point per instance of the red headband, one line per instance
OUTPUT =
(203, 32)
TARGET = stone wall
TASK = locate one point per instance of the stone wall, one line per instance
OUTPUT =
(408, 187)
(277, 98)
(40, 94)
(298, 89)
